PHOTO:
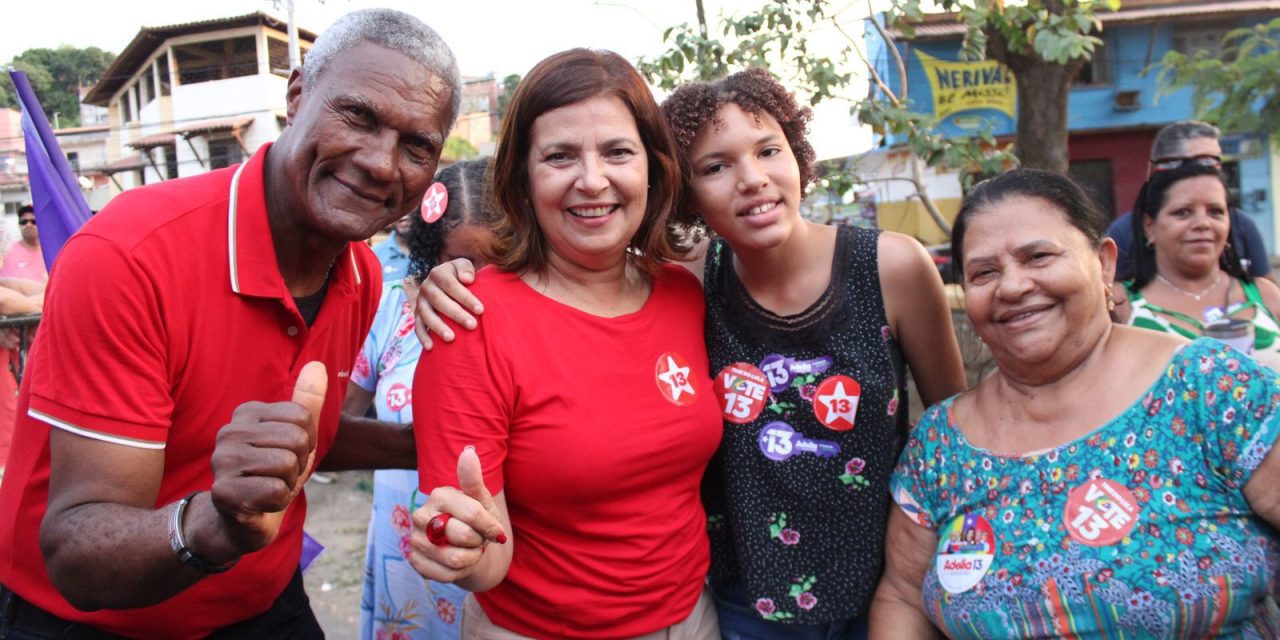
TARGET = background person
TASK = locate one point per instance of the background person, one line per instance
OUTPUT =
(585, 393)
(397, 602)
(824, 320)
(393, 252)
(17, 296)
(1127, 476)
(1185, 273)
(1177, 144)
(24, 258)
(170, 416)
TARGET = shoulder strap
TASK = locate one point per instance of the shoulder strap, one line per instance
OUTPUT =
(1140, 303)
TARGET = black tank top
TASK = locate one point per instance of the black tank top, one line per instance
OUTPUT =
(797, 497)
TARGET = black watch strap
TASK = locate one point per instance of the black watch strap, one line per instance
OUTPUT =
(179, 543)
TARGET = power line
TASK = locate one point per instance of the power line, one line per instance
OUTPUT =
(137, 125)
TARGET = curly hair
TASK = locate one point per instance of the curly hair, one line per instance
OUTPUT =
(692, 107)
(468, 204)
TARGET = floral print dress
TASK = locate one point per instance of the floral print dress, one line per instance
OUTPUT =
(398, 604)
(1139, 530)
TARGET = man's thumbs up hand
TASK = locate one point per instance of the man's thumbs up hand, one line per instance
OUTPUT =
(263, 458)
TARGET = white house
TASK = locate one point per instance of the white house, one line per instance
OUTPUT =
(189, 98)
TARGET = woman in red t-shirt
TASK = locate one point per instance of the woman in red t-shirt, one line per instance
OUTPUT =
(573, 427)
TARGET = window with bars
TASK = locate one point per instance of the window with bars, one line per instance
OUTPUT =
(162, 65)
(224, 151)
(170, 161)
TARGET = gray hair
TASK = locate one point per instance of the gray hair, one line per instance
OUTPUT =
(394, 30)
(1171, 140)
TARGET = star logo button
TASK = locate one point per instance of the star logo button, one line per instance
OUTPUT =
(673, 379)
(435, 202)
(837, 402)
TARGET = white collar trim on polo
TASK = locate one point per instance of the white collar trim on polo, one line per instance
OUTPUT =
(232, 199)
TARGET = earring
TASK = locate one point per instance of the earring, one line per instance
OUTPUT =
(1150, 242)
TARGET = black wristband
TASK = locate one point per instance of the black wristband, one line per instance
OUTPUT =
(179, 543)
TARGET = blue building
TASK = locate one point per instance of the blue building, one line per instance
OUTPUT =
(1114, 110)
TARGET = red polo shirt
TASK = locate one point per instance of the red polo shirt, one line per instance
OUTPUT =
(166, 312)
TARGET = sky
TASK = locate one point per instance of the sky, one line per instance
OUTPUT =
(487, 36)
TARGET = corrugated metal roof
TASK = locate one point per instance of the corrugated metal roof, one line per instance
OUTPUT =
(127, 163)
(940, 27)
(71, 131)
(157, 140)
(151, 38)
(191, 129)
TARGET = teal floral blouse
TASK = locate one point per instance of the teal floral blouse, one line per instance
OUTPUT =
(1139, 530)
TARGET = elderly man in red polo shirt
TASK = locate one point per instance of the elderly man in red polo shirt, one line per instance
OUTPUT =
(171, 410)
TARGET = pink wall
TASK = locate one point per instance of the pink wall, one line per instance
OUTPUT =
(10, 130)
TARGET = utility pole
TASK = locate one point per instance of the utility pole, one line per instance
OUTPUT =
(295, 52)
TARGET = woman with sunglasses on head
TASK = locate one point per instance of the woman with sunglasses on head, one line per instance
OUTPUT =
(1187, 278)
(1192, 142)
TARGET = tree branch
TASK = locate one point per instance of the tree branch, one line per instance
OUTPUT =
(893, 51)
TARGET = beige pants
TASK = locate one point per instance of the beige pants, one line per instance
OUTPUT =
(700, 625)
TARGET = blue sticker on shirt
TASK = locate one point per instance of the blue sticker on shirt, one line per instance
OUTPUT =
(781, 370)
(779, 441)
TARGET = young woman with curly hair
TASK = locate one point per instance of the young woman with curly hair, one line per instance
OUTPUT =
(812, 329)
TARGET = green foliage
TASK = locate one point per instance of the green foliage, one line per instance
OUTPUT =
(1055, 31)
(973, 157)
(1029, 37)
(777, 36)
(1238, 90)
(456, 148)
(507, 89)
(56, 76)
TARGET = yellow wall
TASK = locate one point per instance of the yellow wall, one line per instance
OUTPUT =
(911, 218)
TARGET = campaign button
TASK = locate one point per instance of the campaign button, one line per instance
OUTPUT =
(742, 390)
(777, 441)
(672, 373)
(398, 397)
(1100, 512)
(434, 202)
(778, 369)
(966, 551)
(836, 402)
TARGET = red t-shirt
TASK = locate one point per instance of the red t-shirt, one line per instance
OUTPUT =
(599, 430)
(166, 312)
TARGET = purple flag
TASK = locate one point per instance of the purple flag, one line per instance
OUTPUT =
(60, 207)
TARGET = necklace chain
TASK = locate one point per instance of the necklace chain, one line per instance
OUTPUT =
(1197, 296)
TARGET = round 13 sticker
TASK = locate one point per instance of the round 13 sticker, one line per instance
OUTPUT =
(836, 402)
(966, 548)
(1100, 512)
(399, 396)
(742, 390)
(672, 373)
